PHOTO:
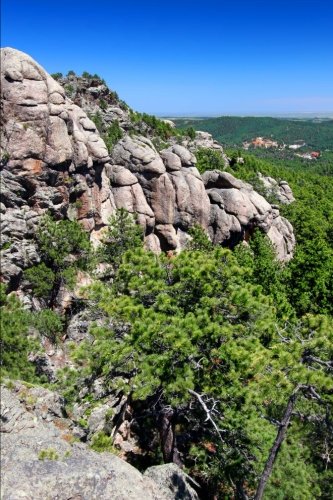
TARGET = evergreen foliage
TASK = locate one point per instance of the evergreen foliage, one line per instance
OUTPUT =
(123, 233)
(64, 248)
(208, 159)
(197, 326)
(113, 134)
(16, 343)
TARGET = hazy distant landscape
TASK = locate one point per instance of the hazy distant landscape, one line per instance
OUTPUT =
(316, 132)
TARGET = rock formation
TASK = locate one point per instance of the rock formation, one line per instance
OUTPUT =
(281, 190)
(54, 159)
(43, 459)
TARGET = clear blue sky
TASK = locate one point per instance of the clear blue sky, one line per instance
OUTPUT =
(187, 56)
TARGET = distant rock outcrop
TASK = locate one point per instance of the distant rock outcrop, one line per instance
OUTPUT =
(236, 209)
(54, 159)
(281, 190)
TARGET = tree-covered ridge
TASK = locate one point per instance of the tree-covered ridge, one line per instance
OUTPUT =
(223, 370)
(234, 130)
(218, 360)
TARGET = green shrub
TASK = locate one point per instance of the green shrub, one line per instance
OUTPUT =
(64, 247)
(123, 234)
(15, 341)
(49, 324)
(69, 89)
(57, 76)
(102, 442)
(190, 132)
(103, 104)
(98, 121)
(208, 159)
(48, 454)
(42, 280)
(113, 134)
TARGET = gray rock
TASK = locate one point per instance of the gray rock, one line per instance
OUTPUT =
(186, 157)
(138, 155)
(218, 179)
(42, 461)
(170, 477)
(43, 130)
(236, 207)
(281, 190)
(171, 160)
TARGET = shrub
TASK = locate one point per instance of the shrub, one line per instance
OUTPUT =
(57, 76)
(49, 324)
(15, 342)
(207, 159)
(41, 279)
(103, 104)
(48, 454)
(113, 134)
(98, 121)
(64, 247)
(123, 234)
(102, 442)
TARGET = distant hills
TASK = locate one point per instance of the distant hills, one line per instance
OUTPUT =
(231, 131)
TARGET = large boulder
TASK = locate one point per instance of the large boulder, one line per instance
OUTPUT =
(236, 209)
(280, 190)
(43, 459)
(170, 185)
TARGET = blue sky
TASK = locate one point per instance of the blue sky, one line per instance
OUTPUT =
(187, 56)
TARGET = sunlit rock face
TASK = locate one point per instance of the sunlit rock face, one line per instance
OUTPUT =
(54, 160)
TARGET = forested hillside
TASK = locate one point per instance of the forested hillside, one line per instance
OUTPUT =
(152, 290)
(233, 130)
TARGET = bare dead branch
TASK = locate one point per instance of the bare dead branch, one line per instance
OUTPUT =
(208, 412)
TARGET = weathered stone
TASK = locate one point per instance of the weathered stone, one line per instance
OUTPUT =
(218, 179)
(171, 160)
(281, 191)
(169, 476)
(186, 157)
(121, 176)
(282, 236)
(138, 155)
(41, 462)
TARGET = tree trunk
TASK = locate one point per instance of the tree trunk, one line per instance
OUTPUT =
(276, 446)
(167, 437)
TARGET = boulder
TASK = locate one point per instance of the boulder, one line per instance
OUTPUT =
(42, 458)
(53, 158)
(236, 209)
(280, 190)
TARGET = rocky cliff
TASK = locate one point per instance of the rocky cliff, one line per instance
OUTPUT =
(42, 457)
(54, 159)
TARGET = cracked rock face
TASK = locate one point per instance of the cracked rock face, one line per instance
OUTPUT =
(281, 190)
(42, 458)
(236, 209)
(53, 159)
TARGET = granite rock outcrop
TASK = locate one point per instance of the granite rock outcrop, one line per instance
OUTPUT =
(43, 459)
(54, 160)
